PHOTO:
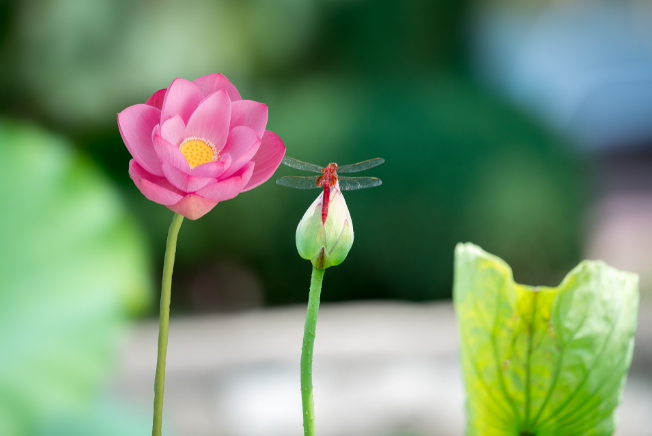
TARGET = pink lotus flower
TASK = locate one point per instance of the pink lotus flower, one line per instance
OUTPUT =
(198, 143)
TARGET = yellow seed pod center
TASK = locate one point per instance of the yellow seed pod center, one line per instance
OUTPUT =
(198, 151)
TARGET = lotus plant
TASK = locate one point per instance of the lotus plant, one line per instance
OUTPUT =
(193, 145)
(324, 244)
(324, 237)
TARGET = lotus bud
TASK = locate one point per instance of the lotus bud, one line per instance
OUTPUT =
(326, 244)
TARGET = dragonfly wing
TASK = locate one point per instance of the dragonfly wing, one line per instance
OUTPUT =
(361, 166)
(307, 182)
(352, 183)
(305, 166)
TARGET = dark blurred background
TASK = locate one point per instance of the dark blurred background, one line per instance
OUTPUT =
(522, 126)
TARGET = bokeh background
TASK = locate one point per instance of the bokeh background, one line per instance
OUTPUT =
(522, 126)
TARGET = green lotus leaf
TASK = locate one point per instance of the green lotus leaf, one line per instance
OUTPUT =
(543, 361)
(72, 265)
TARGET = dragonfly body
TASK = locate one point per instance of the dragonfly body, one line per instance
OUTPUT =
(329, 178)
(326, 180)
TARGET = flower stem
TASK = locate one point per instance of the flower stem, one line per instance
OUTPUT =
(164, 322)
(306, 352)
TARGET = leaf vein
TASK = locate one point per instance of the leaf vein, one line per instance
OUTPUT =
(588, 373)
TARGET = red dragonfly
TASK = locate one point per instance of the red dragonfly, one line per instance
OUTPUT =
(329, 178)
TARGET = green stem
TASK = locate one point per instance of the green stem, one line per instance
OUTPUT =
(164, 322)
(306, 352)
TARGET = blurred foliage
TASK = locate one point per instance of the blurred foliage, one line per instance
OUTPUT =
(96, 57)
(72, 266)
(103, 417)
(543, 361)
(345, 80)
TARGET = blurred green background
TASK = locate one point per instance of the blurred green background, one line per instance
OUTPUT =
(344, 80)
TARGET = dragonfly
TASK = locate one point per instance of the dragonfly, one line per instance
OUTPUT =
(329, 177)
